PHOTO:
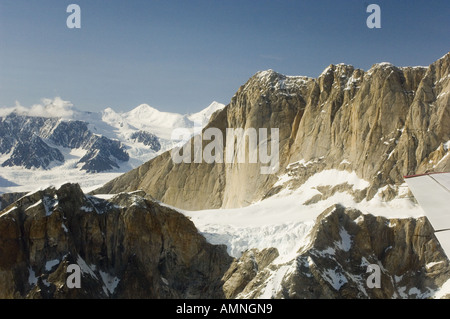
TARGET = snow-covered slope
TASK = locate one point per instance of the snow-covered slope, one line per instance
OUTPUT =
(150, 119)
(146, 118)
(204, 115)
(286, 221)
(283, 220)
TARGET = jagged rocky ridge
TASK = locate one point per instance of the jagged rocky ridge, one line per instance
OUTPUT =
(129, 246)
(147, 139)
(383, 123)
(33, 152)
(32, 142)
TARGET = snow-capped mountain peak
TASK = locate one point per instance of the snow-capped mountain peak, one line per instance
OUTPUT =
(204, 115)
(143, 109)
(146, 118)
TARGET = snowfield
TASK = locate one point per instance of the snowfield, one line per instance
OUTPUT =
(283, 221)
(37, 179)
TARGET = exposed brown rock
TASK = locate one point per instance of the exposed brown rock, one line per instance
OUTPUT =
(244, 269)
(127, 247)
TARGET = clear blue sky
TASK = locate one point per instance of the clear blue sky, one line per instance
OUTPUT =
(179, 56)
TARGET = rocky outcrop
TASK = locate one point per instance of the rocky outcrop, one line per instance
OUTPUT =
(126, 247)
(146, 138)
(102, 154)
(243, 270)
(129, 246)
(33, 152)
(9, 198)
(335, 264)
(383, 123)
(70, 134)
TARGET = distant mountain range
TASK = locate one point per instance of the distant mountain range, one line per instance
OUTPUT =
(92, 142)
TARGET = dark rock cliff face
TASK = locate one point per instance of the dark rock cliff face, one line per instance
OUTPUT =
(102, 154)
(73, 134)
(383, 124)
(146, 138)
(9, 198)
(126, 247)
(33, 153)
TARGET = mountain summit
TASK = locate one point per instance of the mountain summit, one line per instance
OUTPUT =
(382, 124)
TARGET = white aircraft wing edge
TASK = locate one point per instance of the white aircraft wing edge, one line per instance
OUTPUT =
(432, 191)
